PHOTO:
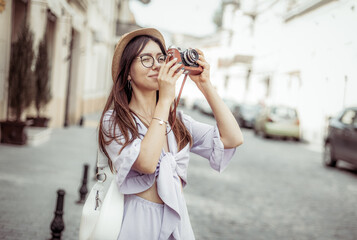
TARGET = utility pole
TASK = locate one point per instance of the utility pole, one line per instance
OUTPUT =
(345, 92)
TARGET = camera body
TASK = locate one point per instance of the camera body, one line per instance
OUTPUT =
(188, 58)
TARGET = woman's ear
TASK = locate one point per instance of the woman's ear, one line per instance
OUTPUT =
(129, 77)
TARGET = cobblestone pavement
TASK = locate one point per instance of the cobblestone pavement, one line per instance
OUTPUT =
(271, 190)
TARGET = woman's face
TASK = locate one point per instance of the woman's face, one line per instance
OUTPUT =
(145, 78)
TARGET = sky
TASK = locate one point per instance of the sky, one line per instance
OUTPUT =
(194, 17)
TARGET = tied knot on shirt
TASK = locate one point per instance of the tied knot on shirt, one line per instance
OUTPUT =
(177, 161)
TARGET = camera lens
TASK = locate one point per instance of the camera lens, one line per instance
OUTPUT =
(190, 56)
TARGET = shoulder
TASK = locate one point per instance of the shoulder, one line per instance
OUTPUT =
(109, 115)
(108, 126)
(111, 122)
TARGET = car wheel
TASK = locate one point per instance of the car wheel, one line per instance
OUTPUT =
(328, 157)
(265, 135)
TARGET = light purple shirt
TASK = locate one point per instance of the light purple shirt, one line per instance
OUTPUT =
(171, 168)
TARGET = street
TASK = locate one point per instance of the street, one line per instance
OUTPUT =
(271, 190)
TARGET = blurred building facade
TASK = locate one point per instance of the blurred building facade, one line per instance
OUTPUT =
(81, 36)
(307, 50)
(299, 53)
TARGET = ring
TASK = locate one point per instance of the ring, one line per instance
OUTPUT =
(98, 178)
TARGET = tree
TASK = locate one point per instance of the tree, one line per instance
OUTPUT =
(42, 81)
(20, 90)
(20, 74)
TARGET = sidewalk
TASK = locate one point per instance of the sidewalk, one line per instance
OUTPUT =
(31, 175)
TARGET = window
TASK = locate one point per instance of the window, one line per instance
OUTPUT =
(355, 120)
(284, 113)
(348, 117)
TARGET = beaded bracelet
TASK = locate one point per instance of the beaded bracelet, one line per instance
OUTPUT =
(160, 121)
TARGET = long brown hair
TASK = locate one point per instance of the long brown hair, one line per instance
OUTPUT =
(119, 99)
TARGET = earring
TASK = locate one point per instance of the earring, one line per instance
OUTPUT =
(129, 85)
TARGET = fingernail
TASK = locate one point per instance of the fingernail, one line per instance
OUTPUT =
(182, 68)
(175, 59)
(180, 62)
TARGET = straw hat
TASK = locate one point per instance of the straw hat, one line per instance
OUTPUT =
(125, 39)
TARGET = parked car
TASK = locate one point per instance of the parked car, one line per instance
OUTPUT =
(182, 102)
(341, 138)
(231, 104)
(196, 103)
(202, 105)
(278, 121)
(245, 114)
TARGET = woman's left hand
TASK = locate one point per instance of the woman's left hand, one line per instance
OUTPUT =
(203, 78)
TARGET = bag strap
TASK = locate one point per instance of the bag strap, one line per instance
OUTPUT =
(102, 160)
(102, 167)
(103, 172)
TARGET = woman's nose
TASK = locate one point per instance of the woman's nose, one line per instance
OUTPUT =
(156, 65)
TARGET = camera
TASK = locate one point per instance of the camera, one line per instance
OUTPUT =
(188, 58)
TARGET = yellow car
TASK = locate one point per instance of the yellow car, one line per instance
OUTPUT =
(278, 121)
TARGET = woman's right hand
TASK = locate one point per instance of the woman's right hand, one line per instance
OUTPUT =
(150, 153)
(167, 80)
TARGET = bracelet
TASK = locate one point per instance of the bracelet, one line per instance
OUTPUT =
(161, 121)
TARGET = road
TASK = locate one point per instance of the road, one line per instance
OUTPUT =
(272, 190)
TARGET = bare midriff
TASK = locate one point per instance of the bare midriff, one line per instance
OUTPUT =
(151, 194)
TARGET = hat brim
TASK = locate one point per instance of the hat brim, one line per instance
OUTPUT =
(125, 39)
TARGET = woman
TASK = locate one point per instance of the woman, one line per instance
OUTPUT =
(150, 159)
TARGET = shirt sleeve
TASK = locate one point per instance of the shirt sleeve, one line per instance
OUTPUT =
(124, 161)
(207, 143)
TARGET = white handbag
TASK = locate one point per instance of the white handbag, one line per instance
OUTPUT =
(103, 209)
